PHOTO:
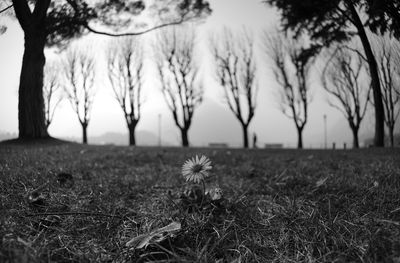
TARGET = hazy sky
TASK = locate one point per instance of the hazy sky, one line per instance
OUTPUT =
(213, 122)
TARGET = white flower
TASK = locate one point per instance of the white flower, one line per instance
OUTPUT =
(196, 169)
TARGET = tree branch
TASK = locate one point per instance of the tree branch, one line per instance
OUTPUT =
(356, 51)
(91, 29)
(40, 10)
(5, 9)
(22, 12)
(88, 27)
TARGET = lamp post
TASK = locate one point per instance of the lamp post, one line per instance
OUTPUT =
(325, 133)
(159, 129)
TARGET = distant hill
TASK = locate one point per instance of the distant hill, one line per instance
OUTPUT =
(144, 138)
(7, 135)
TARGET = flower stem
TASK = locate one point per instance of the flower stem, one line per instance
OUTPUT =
(204, 193)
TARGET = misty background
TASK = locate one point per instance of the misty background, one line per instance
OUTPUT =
(212, 122)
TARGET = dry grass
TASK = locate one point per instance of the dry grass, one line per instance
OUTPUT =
(280, 206)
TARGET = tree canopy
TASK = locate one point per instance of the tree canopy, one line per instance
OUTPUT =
(383, 16)
(68, 19)
(331, 20)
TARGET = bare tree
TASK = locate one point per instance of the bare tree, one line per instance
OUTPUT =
(387, 53)
(236, 72)
(125, 72)
(51, 91)
(79, 71)
(292, 60)
(179, 71)
(342, 78)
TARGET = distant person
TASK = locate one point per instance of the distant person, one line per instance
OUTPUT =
(254, 140)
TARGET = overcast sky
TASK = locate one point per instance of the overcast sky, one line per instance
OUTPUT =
(213, 122)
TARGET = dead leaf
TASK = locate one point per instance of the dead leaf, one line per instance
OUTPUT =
(321, 182)
(36, 198)
(155, 236)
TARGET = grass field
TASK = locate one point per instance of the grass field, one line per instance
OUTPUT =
(278, 205)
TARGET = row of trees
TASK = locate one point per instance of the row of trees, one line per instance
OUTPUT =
(54, 23)
(292, 61)
(345, 79)
(330, 22)
(178, 71)
(343, 73)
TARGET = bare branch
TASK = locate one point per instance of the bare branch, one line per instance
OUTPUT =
(173, 23)
(291, 61)
(125, 61)
(179, 72)
(5, 9)
(236, 72)
(51, 90)
(342, 78)
(357, 51)
(79, 73)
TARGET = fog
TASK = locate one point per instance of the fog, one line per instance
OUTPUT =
(212, 123)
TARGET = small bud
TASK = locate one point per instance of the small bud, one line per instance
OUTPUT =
(215, 194)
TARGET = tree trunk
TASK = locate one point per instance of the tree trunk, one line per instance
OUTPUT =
(391, 135)
(84, 133)
(47, 125)
(132, 138)
(379, 139)
(31, 116)
(185, 139)
(299, 138)
(356, 143)
(245, 136)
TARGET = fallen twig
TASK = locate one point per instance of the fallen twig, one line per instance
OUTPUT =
(388, 221)
(75, 213)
